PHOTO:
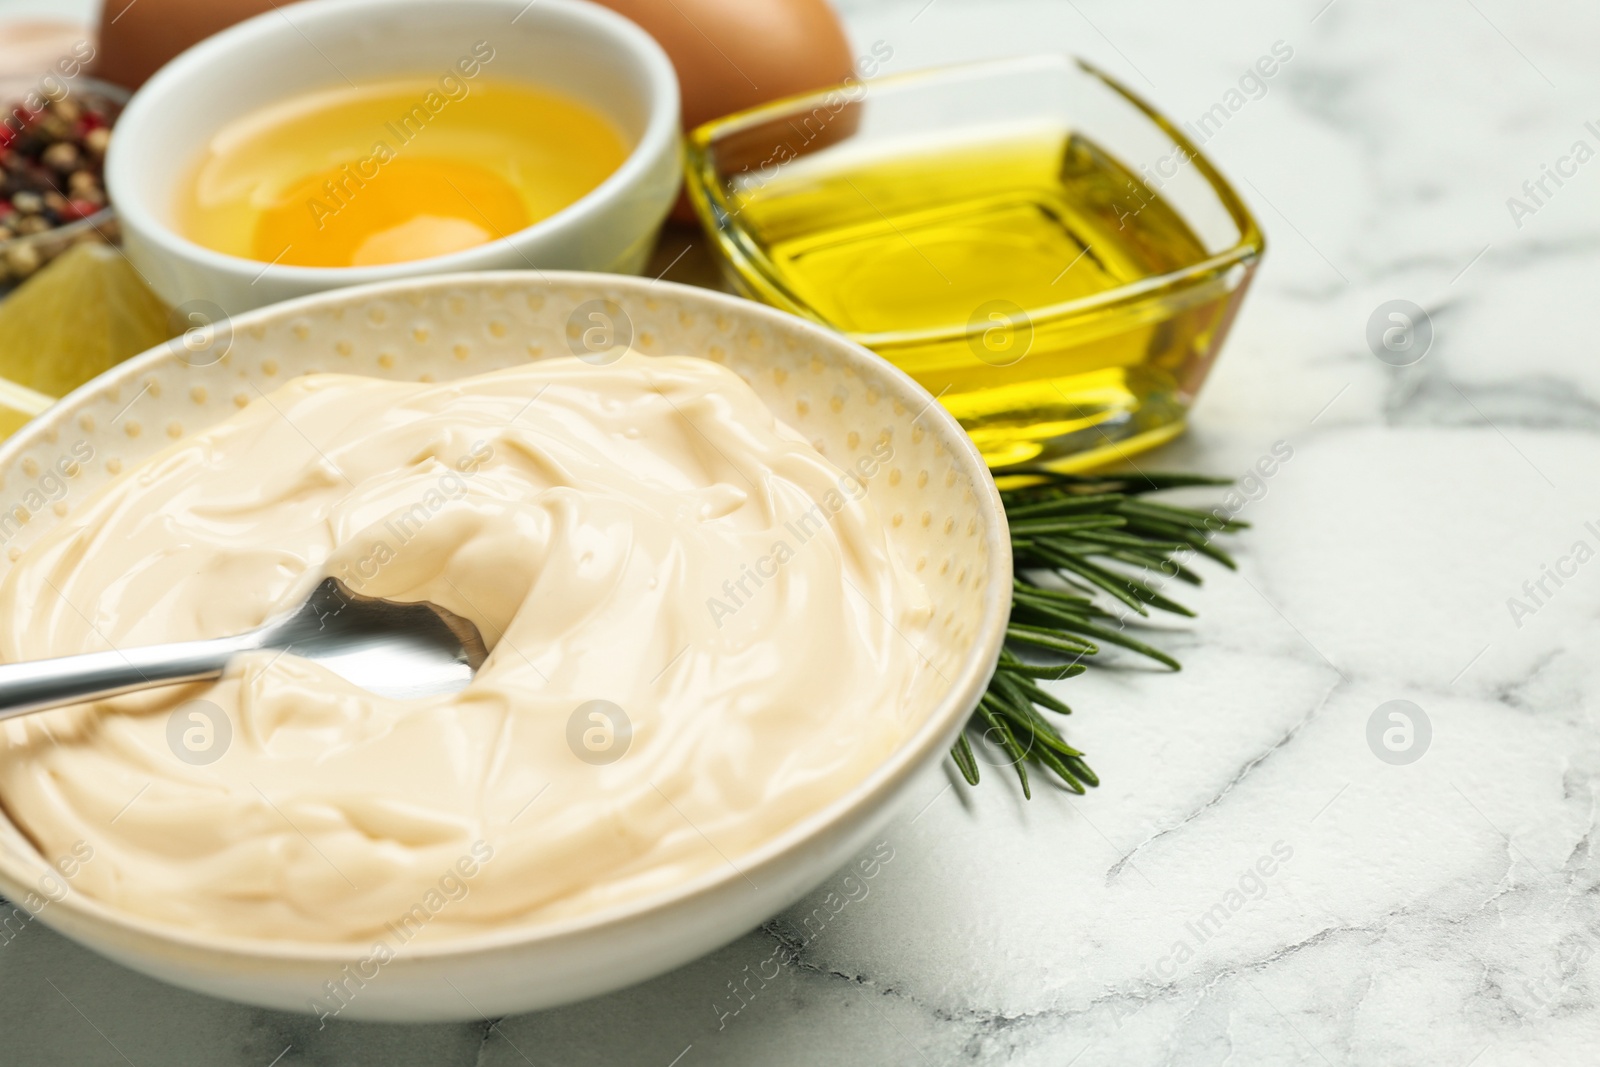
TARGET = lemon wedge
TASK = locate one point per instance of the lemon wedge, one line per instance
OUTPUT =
(84, 313)
(18, 404)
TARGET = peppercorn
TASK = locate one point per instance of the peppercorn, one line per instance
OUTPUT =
(61, 156)
(79, 209)
(52, 127)
(22, 260)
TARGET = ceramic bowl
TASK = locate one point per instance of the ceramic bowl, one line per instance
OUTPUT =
(944, 518)
(573, 46)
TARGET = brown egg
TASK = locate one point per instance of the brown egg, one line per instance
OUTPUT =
(137, 39)
(734, 54)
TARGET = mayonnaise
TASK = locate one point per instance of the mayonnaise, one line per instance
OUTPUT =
(700, 635)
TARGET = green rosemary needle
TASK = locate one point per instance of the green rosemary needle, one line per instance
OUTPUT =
(1076, 537)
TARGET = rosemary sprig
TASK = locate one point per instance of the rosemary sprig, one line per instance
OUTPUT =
(1076, 537)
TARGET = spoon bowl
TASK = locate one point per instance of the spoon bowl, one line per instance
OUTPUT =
(401, 650)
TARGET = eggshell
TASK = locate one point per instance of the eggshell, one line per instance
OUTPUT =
(734, 54)
(137, 39)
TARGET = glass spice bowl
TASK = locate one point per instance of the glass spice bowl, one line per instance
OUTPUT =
(1035, 245)
(23, 255)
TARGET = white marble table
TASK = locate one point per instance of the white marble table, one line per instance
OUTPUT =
(1440, 912)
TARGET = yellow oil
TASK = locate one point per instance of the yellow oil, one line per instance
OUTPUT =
(394, 171)
(969, 266)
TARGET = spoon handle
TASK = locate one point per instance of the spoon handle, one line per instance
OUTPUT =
(52, 683)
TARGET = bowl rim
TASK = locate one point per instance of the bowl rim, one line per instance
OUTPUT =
(661, 133)
(713, 207)
(949, 713)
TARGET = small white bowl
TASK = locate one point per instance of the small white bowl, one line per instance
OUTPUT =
(569, 45)
(945, 522)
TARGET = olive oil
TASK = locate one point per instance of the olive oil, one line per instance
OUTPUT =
(1050, 297)
(394, 171)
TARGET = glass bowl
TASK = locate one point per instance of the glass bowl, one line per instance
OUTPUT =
(1029, 240)
(38, 249)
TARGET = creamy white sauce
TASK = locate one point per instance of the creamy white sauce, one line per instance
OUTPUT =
(644, 534)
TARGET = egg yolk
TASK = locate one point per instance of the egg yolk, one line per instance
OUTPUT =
(409, 209)
(407, 169)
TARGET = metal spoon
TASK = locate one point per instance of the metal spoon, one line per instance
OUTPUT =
(389, 648)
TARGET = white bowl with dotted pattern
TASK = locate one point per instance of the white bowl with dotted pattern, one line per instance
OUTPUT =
(944, 518)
